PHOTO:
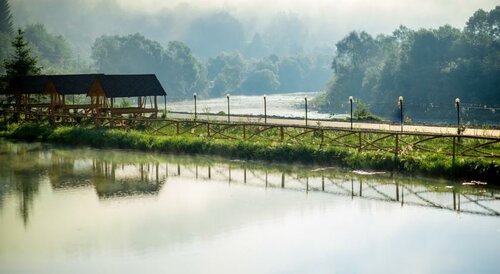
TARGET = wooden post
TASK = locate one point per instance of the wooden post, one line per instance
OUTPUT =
(454, 150)
(359, 140)
(352, 188)
(283, 180)
(208, 129)
(244, 133)
(322, 183)
(454, 201)
(397, 192)
(156, 104)
(165, 103)
(139, 104)
(396, 150)
(282, 134)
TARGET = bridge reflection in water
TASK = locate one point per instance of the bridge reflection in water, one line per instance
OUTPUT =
(121, 178)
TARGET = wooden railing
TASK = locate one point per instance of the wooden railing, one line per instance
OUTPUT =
(393, 142)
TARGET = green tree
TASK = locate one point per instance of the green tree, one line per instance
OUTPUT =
(53, 51)
(127, 54)
(429, 67)
(181, 71)
(260, 81)
(6, 30)
(21, 63)
(5, 18)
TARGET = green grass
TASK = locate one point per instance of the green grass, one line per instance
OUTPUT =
(307, 149)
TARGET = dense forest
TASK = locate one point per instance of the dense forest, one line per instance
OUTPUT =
(215, 53)
(219, 62)
(428, 67)
(182, 73)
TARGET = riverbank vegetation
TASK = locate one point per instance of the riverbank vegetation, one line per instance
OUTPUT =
(307, 151)
(428, 67)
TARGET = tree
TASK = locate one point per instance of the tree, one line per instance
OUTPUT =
(5, 18)
(428, 67)
(52, 50)
(21, 63)
(181, 71)
(127, 54)
(260, 81)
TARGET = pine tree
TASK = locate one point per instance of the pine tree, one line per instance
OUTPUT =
(21, 63)
(5, 18)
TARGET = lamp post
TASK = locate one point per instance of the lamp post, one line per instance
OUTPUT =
(265, 110)
(350, 101)
(195, 111)
(228, 109)
(305, 101)
(400, 103)
(457, 103)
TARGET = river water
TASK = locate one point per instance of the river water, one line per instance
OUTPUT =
(283, 105)
(83, 210)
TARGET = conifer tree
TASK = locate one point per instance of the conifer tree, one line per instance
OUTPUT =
(21, 62)
(5, 18)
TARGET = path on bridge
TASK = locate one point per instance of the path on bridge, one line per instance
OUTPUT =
(336, 124)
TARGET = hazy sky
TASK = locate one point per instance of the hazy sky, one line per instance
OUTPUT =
(377, 14)
(321, 22)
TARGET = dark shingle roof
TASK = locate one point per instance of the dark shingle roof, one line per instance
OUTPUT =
(28, 84)
(131, 85)
(72, 84)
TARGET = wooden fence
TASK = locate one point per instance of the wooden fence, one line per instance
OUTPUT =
(393, 142)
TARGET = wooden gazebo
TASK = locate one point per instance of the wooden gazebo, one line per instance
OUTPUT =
(61, 86)
(144, 87)
(29, 94)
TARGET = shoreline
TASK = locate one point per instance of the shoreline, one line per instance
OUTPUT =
(433, 166)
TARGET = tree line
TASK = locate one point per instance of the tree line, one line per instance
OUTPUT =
(428, 67)
(179, 70)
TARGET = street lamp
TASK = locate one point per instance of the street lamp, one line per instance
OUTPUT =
(457, 103)
(265, 110)
(400, 103)
(228, 109)
(305, 100)
(195, 111)
(350, 101)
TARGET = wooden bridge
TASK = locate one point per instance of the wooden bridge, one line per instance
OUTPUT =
(389, 141)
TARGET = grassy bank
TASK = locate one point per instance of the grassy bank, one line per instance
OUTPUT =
(305, 152)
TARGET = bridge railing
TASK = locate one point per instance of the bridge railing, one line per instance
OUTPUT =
(385, 141)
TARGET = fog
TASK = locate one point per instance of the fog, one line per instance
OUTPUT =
(212, 26)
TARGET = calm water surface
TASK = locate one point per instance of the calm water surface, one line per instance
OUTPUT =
(104, 211)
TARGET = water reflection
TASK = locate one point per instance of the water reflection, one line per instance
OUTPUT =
(85, 210)
(117, 174)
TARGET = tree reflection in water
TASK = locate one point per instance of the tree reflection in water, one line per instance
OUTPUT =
(114, 174)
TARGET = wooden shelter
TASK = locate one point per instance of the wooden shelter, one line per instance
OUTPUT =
(59, 87)
(106, 88)
(29, 94)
